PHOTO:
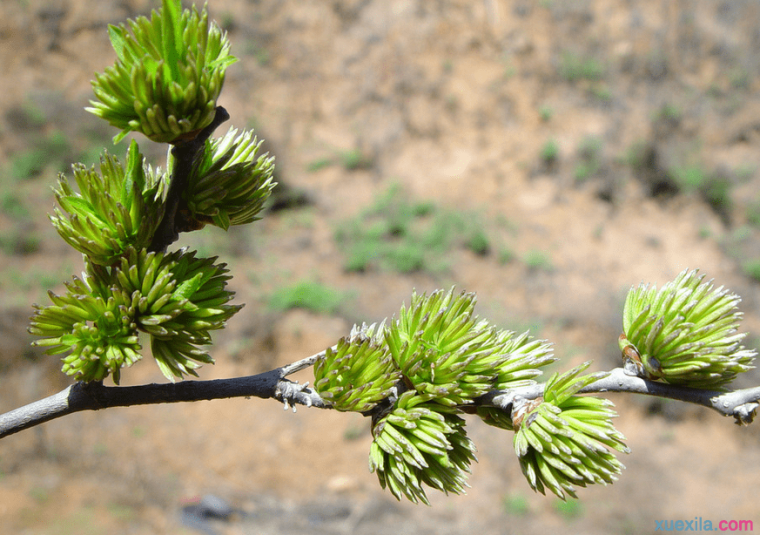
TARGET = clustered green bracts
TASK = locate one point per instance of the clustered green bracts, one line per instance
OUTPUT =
(175, 298)
(562, 438)
(685, 333)
(114, 210)
(414, 375)
(95, 325)
(444, 350)
(421, 442)
(359, 373)
(167, 77)
(231, 181)
(165, 82)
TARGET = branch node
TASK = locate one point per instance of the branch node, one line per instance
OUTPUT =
(293, 393)
(745, 414)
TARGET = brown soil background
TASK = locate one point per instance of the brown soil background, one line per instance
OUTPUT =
(446, 99)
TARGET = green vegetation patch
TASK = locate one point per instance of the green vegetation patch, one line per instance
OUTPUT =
(569, 509)
(538, 260)
(516, 504)
(403, 235)
(308, 295)
(52, 150)
(753, 212)
(350, 160)
(751, 269)
(574, 67)
(589, 158)
(550, 151)
(714, 188)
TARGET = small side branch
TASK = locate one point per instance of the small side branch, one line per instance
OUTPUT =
(741, 404)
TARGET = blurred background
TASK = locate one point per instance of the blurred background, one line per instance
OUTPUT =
(547, 155)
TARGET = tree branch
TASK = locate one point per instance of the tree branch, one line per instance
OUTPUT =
(176, 219)
(741, 404)
(95, 396)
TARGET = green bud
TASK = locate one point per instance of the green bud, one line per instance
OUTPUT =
(523, 356)
(421, 443)
(231, 182)
(97, 334)
(176, 298)
(167, 77)
(685, 333)
(561, 439)
(181, 299)
(359, 373)
(114, 210)
(446, 352)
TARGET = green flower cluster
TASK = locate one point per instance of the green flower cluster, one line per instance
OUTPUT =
(114, 210)
(359, 373)
(95, 326)
(421, 442)
(168, 75)
(446, 352)
(685, 333)
(414, 376)
(169, 72)
(176, 298)
(562, 439)
(230, 182)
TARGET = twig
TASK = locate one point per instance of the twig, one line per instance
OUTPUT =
(741, 404)
(95, 396)
(175, 218)
(290, 369)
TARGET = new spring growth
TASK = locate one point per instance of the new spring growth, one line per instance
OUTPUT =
(414, 376)
(167, 77)
(115, 209)
(230, 181)
(443, 349)
(176, 299)
(421, 442)
(685, 333)
(359, 373)
(94, 325)
(562, 439)
(181, 298)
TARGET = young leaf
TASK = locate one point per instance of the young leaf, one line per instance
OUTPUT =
(187, 288)
(134, 178)
(172, 35)
(118, 41)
